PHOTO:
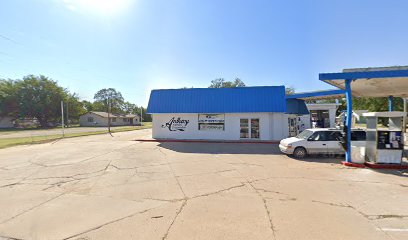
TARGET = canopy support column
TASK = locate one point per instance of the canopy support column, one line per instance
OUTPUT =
(404, 120)
(390, 103)
(349, 118)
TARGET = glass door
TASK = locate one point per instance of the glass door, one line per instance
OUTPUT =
(244, 128)
(292, 123)
(255, 128)
(249, 128)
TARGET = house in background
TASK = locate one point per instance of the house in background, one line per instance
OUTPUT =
(6, 122)
(100, 119)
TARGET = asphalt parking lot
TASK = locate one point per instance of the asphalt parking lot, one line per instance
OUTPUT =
(103, 187)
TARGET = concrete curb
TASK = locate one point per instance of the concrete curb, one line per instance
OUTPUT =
(385, 166)
(351, 164)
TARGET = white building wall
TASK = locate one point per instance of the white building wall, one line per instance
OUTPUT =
(231, 131)
(6, 122)
(100, 121)
(279, 128)
(305, 120)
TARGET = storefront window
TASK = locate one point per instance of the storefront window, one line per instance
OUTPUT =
(244, 124)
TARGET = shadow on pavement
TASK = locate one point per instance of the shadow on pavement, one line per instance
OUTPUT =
(222, 148)
(321, 159)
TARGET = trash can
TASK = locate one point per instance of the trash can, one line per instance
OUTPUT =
(358, 152)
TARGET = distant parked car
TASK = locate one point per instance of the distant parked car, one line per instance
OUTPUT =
(318, 141)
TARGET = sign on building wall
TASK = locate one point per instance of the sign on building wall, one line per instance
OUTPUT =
(211, 122)
(176, 124)
(211, 118)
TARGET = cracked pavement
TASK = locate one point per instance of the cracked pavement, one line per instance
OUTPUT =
(103, 187)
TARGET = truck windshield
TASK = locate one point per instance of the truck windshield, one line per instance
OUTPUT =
(305, 134)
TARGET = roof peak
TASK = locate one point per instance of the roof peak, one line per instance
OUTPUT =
(209, 88)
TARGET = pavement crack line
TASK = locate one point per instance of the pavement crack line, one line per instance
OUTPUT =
(9, 238)
(216, 192)
(323, 179)
(205, 173)
(110, 222)
(36, 206)
(333, 204)
(84, 160)
(181, 189)
(271, 225)
(166, 234)
(172, 171)
(370, 220)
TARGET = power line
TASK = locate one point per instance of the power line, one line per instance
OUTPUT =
(9, 39)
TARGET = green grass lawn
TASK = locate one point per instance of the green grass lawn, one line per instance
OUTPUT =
(8, 142)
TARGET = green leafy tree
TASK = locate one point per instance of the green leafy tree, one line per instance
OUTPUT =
(146, 117)
(87, 105)
(128, 107)
(40, 97)
(109, 97)
(8, 99)
(290, 90)
(371, 104)
(75, 107)
(221, 83)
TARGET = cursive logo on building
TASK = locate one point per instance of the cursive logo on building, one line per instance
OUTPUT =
(176, 124)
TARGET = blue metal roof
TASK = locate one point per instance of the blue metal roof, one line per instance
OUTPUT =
(218, 100)
(296, 106)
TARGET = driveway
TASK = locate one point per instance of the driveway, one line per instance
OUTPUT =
(103, 187)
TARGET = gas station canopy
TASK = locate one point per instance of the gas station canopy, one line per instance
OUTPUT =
(371, 82)
(362, 82)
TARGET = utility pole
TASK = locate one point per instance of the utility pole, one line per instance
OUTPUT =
(404, 120)
(109, 120)
(141, 115)
(62, 118)
(67, 116)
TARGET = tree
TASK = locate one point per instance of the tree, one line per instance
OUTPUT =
(379, 104)
(372, 104)
(129, 108)
(75, 107)
(88, 106)
(290, 90)
(8, 99)
(40, 97)
(221, 83)
(146, 117)
(109, 97)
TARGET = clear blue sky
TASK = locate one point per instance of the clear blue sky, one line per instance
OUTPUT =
(136, 46)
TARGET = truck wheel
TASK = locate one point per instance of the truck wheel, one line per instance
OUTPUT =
(300, 152)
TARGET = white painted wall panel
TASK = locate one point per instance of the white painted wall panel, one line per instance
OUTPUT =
(231, 131)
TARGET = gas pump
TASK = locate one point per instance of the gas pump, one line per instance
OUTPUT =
(384, 144)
